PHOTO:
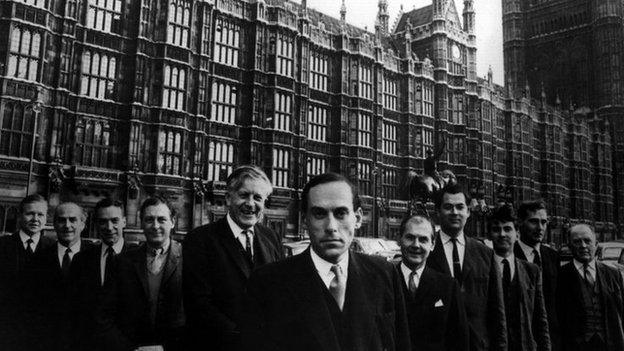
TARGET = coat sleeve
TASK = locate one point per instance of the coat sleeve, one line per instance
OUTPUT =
(198, 289)
(457, 333)
(402, 340)
(497, 324)
(540, 318)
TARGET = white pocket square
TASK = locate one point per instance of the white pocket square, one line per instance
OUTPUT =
(439, 303)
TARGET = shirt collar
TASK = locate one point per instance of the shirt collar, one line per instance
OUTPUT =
(324, 267)
(528, 249)
(117, 247)
(407, 271)
(445, 238)
(236, 229)
(511, 259)
(581, 267)
(74, 248)
(24, 237)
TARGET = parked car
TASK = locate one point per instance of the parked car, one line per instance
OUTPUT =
(610, 253)
(389, 249)
(565, 254)
(293, 248)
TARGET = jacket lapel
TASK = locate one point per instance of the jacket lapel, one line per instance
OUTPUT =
(262, 247)
(139, 261)
(518, 252)
(468, 264)
(233, 247)
(306, 287)
(438, 257)
(425, 285)
(360, 296)
(172, 262)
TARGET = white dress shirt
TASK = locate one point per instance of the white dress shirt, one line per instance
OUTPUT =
(512, 264)
(35, 238)
(406, 274)
(116, 247)
(445, 239)
(238, 233)
(60, 250)
(591, 268)
(323, 267)
(528, 251)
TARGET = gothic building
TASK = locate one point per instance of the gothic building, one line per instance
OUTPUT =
(128, 98)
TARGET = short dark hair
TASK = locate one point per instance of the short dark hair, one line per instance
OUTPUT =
(155, 201)
(418, 219)
(503, 213)
(452, 188)
(31, 199)
(108, 202)
(530, 206)
(236, 178)
(328, 178)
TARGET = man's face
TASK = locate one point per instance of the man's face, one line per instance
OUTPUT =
(331, 220)
(157, 223)
(533, 227)
(503, 236)
(33, 217)
(110, 223)
(68, 223)
(416, 243)
(582, 243)
(453, 213)
(246, 205)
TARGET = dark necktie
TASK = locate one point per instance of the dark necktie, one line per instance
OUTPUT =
(536, 258)
(29, 249)
(506, 278)
(248, 234)
(338, 286)
(108, 266)
(412, 286)
(588, 278)
(66, 262)
(457, 272)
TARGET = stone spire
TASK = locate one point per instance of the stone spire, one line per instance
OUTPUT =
(382, 16)
(343, 12)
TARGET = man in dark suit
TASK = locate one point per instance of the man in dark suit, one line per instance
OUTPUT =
(533, 223)
(327, 298)
(142, 308)
(472, 264)
(590, 298)
(527, 323)
(55, 278)
(93, 268)
(220, 256)
(435, 310)
(21, 322)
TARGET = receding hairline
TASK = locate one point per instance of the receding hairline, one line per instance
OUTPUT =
(581, 226)
(418, 220)
(83, 213)
(339, 181)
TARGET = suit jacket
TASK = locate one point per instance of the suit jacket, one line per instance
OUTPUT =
(123, 317)
(572, 315)
(87, 289)
(533, 328)
(436, 313)
(22, 323)
(215, 273)
(60, 294)
(287, 308)
(550, 268)
(482, 292)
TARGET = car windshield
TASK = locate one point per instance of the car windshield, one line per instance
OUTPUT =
(391, 245)
(611, 253)
(371, 246)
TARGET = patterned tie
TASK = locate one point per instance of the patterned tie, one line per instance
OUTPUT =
(248, 234)
(536, 258)
(29, 249)
(337, 286)
(153, 264)
(588, 277)
(66, 263)
(457, 271)
(108, 265)
(414, 279)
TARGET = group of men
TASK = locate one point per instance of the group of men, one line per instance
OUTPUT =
(228, 287)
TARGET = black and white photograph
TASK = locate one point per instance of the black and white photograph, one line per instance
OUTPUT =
(312, 175)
